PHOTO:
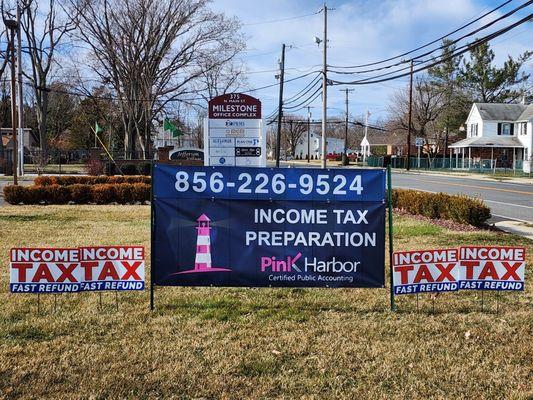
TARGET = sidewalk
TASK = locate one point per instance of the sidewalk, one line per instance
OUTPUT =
(481, 177)
(516, 228)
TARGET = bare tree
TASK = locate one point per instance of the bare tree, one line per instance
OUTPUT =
(152, 52)
(293, 129)
(221, 79)
(428, 105)
(44, 29)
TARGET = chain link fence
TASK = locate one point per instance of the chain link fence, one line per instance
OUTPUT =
(474, 165)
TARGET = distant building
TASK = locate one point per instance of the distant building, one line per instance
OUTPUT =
(498, 136)
(7, 139)
(333, 146)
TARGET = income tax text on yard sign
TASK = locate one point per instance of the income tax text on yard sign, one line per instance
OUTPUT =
(296, 227)
(80, 269)
(465, 268)
(233, 132)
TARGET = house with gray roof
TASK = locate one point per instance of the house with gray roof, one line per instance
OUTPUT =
(497, 136)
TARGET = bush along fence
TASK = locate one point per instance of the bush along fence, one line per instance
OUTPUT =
(462, 209)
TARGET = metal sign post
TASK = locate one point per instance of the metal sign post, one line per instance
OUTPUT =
(419, 143)
(391, 247)
(152, 236)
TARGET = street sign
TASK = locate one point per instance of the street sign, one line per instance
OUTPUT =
(251, 227)
(419, 142)
(233, 130)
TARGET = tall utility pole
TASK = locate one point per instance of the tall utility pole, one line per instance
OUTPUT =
(12, 25)
(325, 86)
(280, 104)
(20, 96)
(344, 155)
(410, 117)
(309, 133)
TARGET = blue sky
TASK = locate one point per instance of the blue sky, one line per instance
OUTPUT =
(360, 31)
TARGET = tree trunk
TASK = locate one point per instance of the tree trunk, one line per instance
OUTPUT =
(42, 115)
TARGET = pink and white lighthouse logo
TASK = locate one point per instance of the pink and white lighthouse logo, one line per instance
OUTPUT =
(202, 260)
(203, 244)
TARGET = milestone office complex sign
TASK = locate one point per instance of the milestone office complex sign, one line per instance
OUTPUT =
(296, 227)
(233, 132)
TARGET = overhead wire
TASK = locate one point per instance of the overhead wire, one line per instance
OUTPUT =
(489, 24)
(319, 89)
(427, 44)
(280, 19)
(304, 91)
(465, 49)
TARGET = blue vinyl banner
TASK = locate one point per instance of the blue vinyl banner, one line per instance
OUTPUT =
(257, 227)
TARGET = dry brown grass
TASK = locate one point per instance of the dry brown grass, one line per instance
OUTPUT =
(253, 343)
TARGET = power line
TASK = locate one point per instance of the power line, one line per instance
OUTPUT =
(427, 44)
(273, 21)
(432, 51)
(313, 96)
(113, 97)
(304, 91)
(467, 48)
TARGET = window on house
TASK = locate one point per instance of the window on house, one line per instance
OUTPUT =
(473, 130)
(522, 128)
(505, 128)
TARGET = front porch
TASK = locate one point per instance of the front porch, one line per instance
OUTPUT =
(490, 153)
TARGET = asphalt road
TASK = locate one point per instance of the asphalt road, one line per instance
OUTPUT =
(508, 201)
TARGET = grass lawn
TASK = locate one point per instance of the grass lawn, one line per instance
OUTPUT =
(216, 343)
(56, 169)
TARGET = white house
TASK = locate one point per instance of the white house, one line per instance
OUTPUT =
(333, 146)
(498, 136)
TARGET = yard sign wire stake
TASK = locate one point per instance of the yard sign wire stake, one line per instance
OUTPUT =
(100, 301)
(482, 298)
(116, 299)
(38, 303)
(152, 236)
(417, 308)
(391, 247)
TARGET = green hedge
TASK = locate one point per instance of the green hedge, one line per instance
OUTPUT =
(122, 193)
(89, 180)
(459, 208)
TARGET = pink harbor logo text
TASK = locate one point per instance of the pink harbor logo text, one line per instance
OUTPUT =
(58, 270)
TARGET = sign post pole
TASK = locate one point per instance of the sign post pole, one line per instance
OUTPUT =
(152, 236)
(391, 247)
